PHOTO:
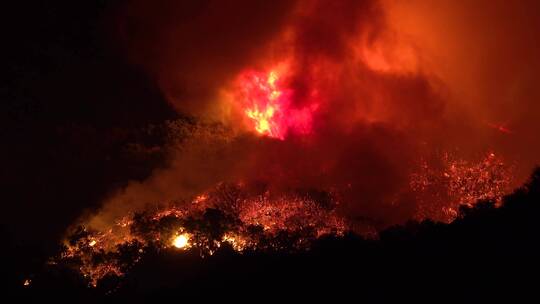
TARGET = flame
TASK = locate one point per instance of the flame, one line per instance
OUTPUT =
(263, 120)
(181, 241)
(268, 104)
(237, 242)
(250, 223)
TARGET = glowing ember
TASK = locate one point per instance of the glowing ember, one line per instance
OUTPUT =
(237, 242)
(500, 127)
(269, 104)
(441, 190)
(291, 213)
(225, 215)
(232, 215)
(27, 282)
(181, 241)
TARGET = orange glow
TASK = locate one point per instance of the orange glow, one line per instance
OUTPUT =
(271, 215)
(237, 242)
(500, 127)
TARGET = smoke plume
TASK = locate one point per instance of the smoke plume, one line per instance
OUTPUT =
(378, 87)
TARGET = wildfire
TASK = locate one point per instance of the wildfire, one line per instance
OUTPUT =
(225, 215)
(268, 104)
(231, 215)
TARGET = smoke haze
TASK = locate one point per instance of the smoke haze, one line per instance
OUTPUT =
(391, 83)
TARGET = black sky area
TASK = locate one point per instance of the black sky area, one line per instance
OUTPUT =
(70, 105)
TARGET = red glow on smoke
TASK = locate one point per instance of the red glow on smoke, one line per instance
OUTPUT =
(268, 102)
(500, 127)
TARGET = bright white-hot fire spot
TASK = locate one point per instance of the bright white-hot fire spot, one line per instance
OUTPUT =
(181, 241)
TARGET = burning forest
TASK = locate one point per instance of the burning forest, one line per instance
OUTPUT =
(230, 215)
(278, 138)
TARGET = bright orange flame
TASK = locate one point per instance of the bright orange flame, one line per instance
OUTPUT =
(264, 96)
(263, 120)
(268, 104)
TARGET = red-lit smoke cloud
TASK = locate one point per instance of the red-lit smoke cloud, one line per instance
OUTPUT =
(369, 89)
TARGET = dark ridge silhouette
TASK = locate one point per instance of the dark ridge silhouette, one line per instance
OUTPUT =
(487, 251)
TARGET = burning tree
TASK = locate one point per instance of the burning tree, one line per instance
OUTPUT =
(227, 215)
